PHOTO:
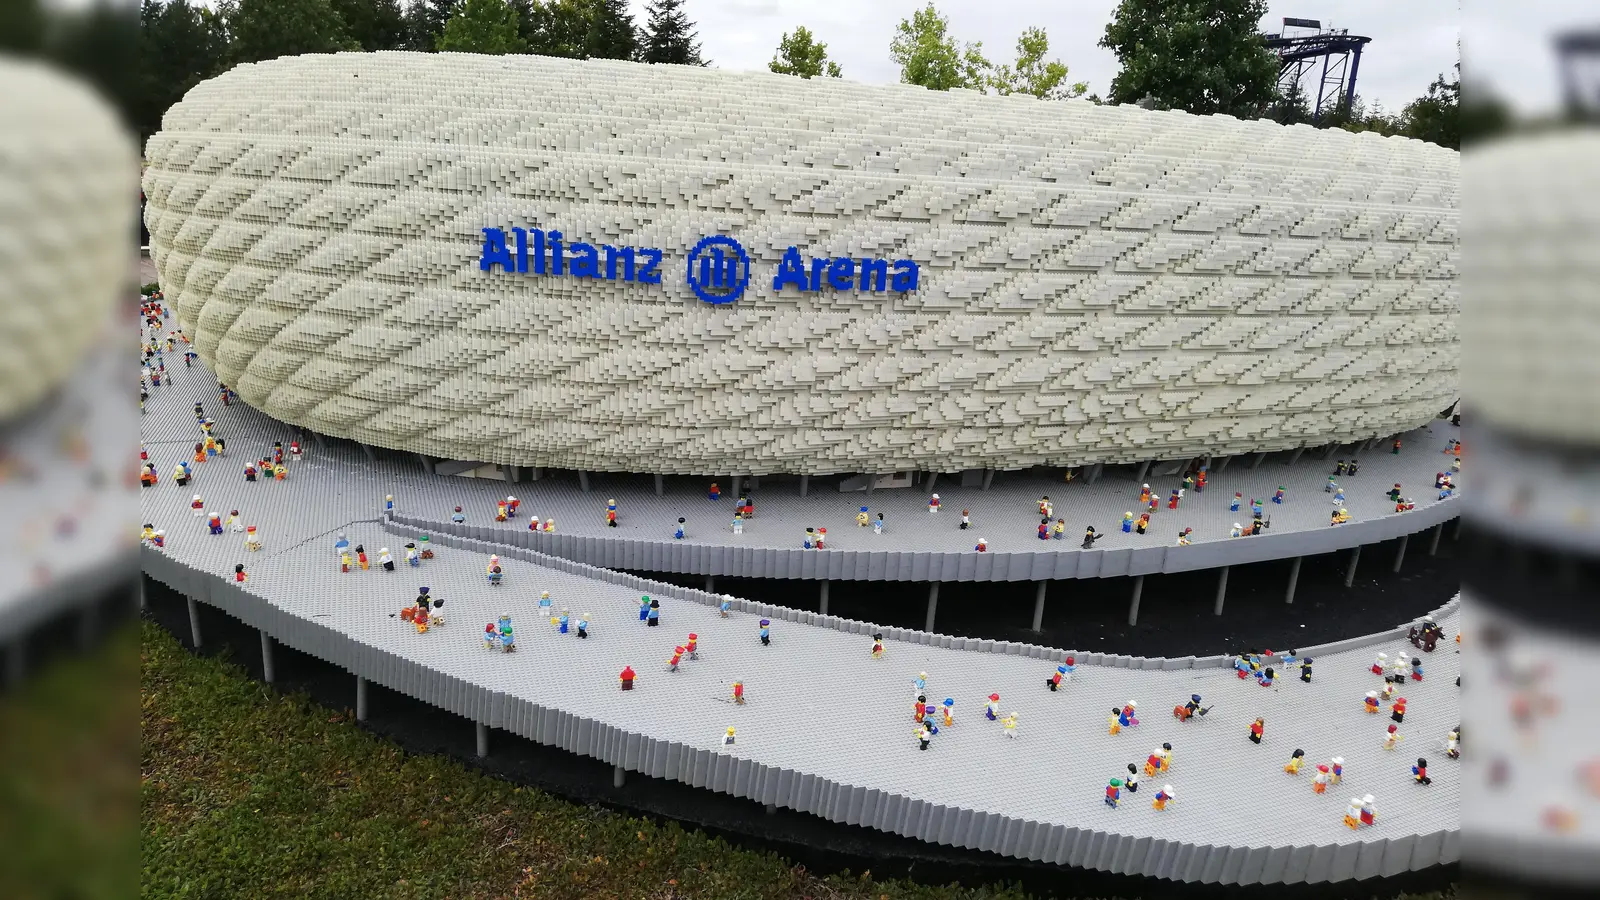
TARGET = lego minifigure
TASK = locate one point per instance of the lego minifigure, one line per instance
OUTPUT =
(1338, 499)
(677, 655)
(948, 710)
(1045, 506)
(1166, 757)
(966, 520)
(1319, 783)
(678, 534)
(862, 519)
(738, 693)
(214, 523)
(1258, 730)
(148, 533)
(1379, 664)
(159, 539)
(1397, 712)
(1183, 537)
(1237, 499)
(1368, 814)
(238, 573)
(738, 523)
(1338, 467)
(724, 607)
(1419, 772)
(200, 453)
(1200, 482)
(626, 678)
(252, 540)
(1305, 670)
(1257, 524)
(933, 503)
(280, 472)
(1296, 759)
(361, 557)
(388, 503)
(1255, 508)
(1143, 524)
(412, 559)
(495, 573)
(1114, 721)
(1163, 797)
(1371, 702)
(1236, 530)
(919, 708)
(387, 561)
(1058, 529)
(458, 516)
(822, 536)
(1054, 681)
(1128, 720)
(877, 524)
(508, 642)
(992, 710)
(1265, 677)
(766, 632)
(749, 508)
(1172, 502)
(1132, 781)
(877, 646)
(1089, 537)
(533, 524)
(1188, 482)
(1127, 523)
(1392, 737)
(550, 525)
(1351, 470)
(653, 616)
(611, 513)
(644, 607)
(919, 684)
(1416, 668)
(491, 637)
(983, 545)
(1352, 814)
(344, 562)
(1114, 793)
(1397, 669)
(511, 506)
(1452, 743)
(1152, 763)
(583, 626)
(421, 615)
(294, 450)
(249, 472)
(923, 735)
(1144, 494)
(693, 645)
(727, 737)
(197, 506)
(147, 476)
(1008, 725)
(1394, 494)
(563, 621)
(1336, 770)
(1277, 496)
(713, 492)
(1396, 446)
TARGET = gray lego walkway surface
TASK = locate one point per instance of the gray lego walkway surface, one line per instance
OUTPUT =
(820, 708)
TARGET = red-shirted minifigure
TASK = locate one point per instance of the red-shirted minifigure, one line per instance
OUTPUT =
(677, 656)
(693, 645)
(626, 678)
(738, 693)
(238, 573)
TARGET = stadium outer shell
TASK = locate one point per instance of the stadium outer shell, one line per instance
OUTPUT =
(1091, 284)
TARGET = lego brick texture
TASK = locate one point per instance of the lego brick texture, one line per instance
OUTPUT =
(67, 183)
(1098, 284)
(827, 729)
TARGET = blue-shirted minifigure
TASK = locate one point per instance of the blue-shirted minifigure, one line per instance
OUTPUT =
(724, 607)
(507, 642)
(678, 535)
(388, 503)
(644, 607)
(561, 622)
(766, 632)
(654, 616)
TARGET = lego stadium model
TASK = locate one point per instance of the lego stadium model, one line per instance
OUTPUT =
(677, 270)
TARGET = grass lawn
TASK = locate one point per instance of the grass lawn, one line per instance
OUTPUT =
(248, 793)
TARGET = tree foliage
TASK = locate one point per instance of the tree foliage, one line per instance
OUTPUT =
(928, 55)
(1033, 75)
(483, 26)
(669, 36)
(268, 29)
(180, 45)
(374, 24)
(1203, 56)
(800, 53)
(554, 27)
(1436, 116)
(611, 33)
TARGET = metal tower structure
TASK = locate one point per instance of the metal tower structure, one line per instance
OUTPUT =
(1300, 46)
(1578, 54)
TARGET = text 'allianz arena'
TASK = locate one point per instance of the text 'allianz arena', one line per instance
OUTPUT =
(618, 267)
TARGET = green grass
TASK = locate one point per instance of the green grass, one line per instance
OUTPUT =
(246, 792)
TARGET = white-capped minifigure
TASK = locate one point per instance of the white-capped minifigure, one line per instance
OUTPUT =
(1163, 797)
(1379, 664)
(1352, 814)
(385, 560)
(1236, 530)
(252, 539)
(933, 503)
(197, 505)
(983, 545)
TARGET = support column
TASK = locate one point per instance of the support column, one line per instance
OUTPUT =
(1094, 472)
(933, 479)
(1224, 464)
(736, 482)
(427, 464)
(583, 480)
(1350, 571)
(805, 484)
(1400, 555)
(1328, 453)
(1222, 592)
(711, 583)
(1256, 463)
(872, 482)
(16, 662)
(823, 603)
(661, 484)
(1144, 469)
(512, 473)
(483, 739)
(143, 603)
(755, 484)
(1433, 545)
(1296, 457)
(988, 478)
(1294, 577)
(1038, 606)
(933, 605)
(1133, 608)
(361, 699)
(536, 474)
(194, 622)
(367, 449)
(268, 670)
(618, 776)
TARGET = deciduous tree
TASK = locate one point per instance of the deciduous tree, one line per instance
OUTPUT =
(1203, 56)
(180, 45)
(267, 29)
(373, 24)
(800, 53)
(482, 26)
(928, 55)
(1033, 75)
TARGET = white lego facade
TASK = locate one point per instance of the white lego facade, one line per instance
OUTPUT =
(1093, 284)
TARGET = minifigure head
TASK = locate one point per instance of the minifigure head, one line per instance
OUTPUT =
(1116, 782)
(197, 496)
(864, 509)
(923, 675)
(1269, 672)
(422, 590)
(656, 604)
(458, 509)
(995, 697)
(1372, 695)
(1393, 728)
(681, 520)
(1383, 656)
(730, 731)
(922, 698)
(360, 549)
(1337, 760)
(1422, 763)
(1322, 768)
(1071, 661)
(1091, 529)
(1236, 527)
(949, 702)
(1132, 704)
(239, 567)
(1167, 789)
(1400, 701)
(1297, 753)
(1131, 770)
(388, 496)
(1167, 747)
(880, 517)
(877, 636)
(765, 622)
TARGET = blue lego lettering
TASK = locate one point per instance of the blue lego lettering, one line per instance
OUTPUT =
(790, 271)
(843, 274)
(494, 250)
(649, 273)
(578, 259)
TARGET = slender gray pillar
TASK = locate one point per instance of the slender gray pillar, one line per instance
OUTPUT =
(711, 583)
(1457, 535)
(536, 474)
(618, 776)
(933, 605)
(1094, 472)
(1294, 578)
(933, 479)
(268, 670)
(583, 480)
(1433, 545)
(1222, 591)
(1296, 457)
(1400, 555)
(427, 464)
(513, 473)
(317, 436)
(805, 484)
(872, 482)
(823, 604)
(367, 449)
(988, 478)
(736, 482)
(1133, 608)
(1038, 606)
(661, 484)
(1328, 453)
(1144, 469)
(1224, 464)
(361, 699)
(755, 483)
(194, 622)
(1350, 571)
(1256, 463)
(483, 739)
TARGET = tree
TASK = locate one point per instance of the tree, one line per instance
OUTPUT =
(1032, 75)
(929, 56)
(180, 45)
(669, 36)
(482, 26)
(801, 54)
(611, 33)
(1436, 116)
(374, 24)
(553, 27)
(268, 29)
(1203, 56)
(1291, 108)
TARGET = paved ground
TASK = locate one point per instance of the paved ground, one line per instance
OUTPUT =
(819, 703)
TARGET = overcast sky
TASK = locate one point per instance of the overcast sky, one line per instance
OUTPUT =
(1412, 40)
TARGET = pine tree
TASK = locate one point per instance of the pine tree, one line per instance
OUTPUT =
(669, 36)
(611, 33)
(374, 24)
